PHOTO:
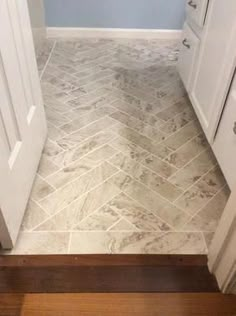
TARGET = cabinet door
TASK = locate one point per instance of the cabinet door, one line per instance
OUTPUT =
(224, 145)
(188, 53)
(196, 11)
(22, 120)
(215, 66)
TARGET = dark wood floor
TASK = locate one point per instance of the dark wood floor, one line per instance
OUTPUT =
(105, 274)
(162, 304)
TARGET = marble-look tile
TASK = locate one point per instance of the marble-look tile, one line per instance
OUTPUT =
(188, 151)
(86, 119)
(162, 168)
(194, 170)
(151, 201)
(141, 140)
(208, 217)
(90, 130)
(30, 243)
(136, 243)
(173, 110)
(51, 149)
(130, 149)
(200, 193)
(139, 126)
(40, 189)
(34, 215)
(67, 157)
(54, 133)
(146, 176)
(81, 166)
(55, 118)
(142, 116)
(120, 101)
(122, 225)
(136, 214)
(183, 135)
(70, 192)
(101, 220)
(176, 123)
(68, 218)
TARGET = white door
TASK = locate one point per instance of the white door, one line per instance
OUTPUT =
(22, 119)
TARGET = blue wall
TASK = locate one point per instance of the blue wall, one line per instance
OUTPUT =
(156, 14)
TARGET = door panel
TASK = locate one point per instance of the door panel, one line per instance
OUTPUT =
(22, 119)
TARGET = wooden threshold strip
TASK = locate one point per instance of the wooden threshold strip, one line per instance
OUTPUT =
(105, 274)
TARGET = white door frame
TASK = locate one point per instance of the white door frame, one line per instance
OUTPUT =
(222, 252)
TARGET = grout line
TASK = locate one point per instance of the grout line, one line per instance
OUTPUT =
(49, 57)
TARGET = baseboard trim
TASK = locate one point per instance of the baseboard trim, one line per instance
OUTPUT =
(80, 32)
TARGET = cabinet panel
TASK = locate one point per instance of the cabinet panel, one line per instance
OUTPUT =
(188, 53)
(196, 11)
(225, 142)
(215, 65)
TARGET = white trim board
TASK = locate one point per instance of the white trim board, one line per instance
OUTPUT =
(80, 32)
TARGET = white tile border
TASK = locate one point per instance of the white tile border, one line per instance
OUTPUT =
(83, 32)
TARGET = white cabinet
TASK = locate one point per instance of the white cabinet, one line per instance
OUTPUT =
(215, 64)
(207, 71)
(196, 11)
(224, 145)
(188, 52)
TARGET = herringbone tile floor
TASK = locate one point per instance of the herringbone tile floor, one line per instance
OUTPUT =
(126, 167)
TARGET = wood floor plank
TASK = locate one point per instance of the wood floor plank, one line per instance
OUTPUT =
(175, 304)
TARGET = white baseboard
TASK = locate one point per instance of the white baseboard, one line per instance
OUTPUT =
(80, 32)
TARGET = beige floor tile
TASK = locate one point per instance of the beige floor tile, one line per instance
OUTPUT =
(162, 168)
(40, 189)
(70, 192)
(46, 167)
(90, 130)
(84, 120)
(81, 166)
(208, 218)
(30, 243)
(173, 110)
(138, 126)
(146, 176)
(183, 135)
(34, 215)
(188, 151)
(124, 162)
(151, 201)
(122, 225)
(101, 220)
(136, 243)
(141, 140)
(67, 157)
(142, 116)
(176, 123)
(199, 194)
(137, 215)
(54, 133)
(129, 149)
(194, 170)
